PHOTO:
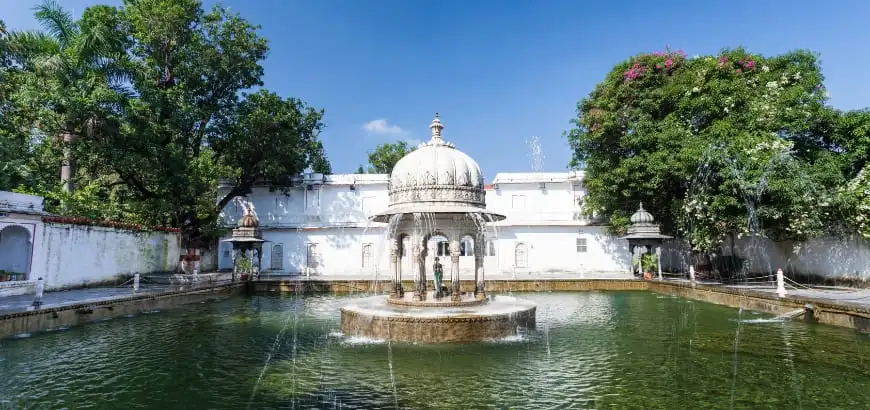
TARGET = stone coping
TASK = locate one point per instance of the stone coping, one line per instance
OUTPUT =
(114, 301)
(788, 300)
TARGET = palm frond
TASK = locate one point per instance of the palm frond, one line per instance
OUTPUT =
(24, 44)
(57, 21)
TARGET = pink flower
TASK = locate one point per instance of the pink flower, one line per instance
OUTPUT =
(723, 60)
(739, 70)
(668, 63)
(749, 64)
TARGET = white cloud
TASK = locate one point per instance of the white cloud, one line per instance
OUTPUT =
(382, 127)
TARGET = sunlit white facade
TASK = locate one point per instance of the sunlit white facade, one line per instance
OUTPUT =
(320, 226)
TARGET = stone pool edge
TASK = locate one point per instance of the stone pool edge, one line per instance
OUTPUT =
(16, 323)
(819, 311)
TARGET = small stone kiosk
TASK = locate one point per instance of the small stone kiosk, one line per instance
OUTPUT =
(644, 238)
(247, 241)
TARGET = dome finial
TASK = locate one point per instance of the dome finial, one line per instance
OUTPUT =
(248, 219)
(436, 128)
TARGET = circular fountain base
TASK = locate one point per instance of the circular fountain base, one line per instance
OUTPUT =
(494, 318)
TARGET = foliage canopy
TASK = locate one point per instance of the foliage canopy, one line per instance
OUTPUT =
(730, 144)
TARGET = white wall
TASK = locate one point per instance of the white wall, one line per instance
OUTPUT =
(75, 255)
(825, 257)
(339, 251)
(554, 249)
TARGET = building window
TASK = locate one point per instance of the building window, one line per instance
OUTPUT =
(367, 256)
(442, 248)
(490, 248)
(466, 246)
(518, 202)
(581, 245)
(312, 258)
(312, 198)
(277, 258)
(521, 255)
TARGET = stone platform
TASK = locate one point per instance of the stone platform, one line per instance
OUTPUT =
(496, 318)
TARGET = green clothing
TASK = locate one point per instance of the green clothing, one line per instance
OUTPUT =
(439, 273)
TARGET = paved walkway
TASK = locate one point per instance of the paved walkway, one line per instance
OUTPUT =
(19, 303)
(860, 297)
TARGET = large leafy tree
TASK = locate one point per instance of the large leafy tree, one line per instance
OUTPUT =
(385, 156)
(714, 146)
(157, 88)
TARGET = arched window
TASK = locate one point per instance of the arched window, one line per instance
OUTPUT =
(490, 248)
(277, 258)
(442, 245)
(521, 256)
(367, 256)
(15, 251)
(466, 246)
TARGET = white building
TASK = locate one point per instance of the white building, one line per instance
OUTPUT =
(320, 226)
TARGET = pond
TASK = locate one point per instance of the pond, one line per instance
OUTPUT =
(589, 350)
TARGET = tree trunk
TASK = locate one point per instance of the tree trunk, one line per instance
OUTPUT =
(68, 164)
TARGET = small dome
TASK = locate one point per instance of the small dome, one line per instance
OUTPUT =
(248, 221)
(642, 216)
(437, 172)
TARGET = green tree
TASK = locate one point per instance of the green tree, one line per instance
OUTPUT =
(385, 156)
(714, 146)
(156, 88)
(75, 83)
(189, 126)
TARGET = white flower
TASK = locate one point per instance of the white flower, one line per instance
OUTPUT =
(696, 89)
(797, 76)
(765, 68)
(772, 84)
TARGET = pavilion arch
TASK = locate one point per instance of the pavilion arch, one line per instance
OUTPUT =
(16, 250)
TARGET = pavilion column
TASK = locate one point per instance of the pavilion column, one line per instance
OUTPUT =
(259, 250)
(479, 288)
(394, 268)
(659, 260)
(455, 290)
(235, 259)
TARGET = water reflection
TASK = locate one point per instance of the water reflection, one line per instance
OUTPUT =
(590, 350)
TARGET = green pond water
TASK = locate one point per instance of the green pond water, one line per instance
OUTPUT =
(590, 350)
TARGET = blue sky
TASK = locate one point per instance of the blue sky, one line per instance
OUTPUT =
(500, 72)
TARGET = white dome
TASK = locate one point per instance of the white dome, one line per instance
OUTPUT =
(436, 165)
(436, 177)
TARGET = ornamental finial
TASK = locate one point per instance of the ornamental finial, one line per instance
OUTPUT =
(436, 128)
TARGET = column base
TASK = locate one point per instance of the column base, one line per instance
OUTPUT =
(480, 294)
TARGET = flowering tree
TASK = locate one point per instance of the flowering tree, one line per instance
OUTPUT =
(713, 146)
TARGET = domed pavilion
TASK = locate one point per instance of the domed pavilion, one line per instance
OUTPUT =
(435, 190)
